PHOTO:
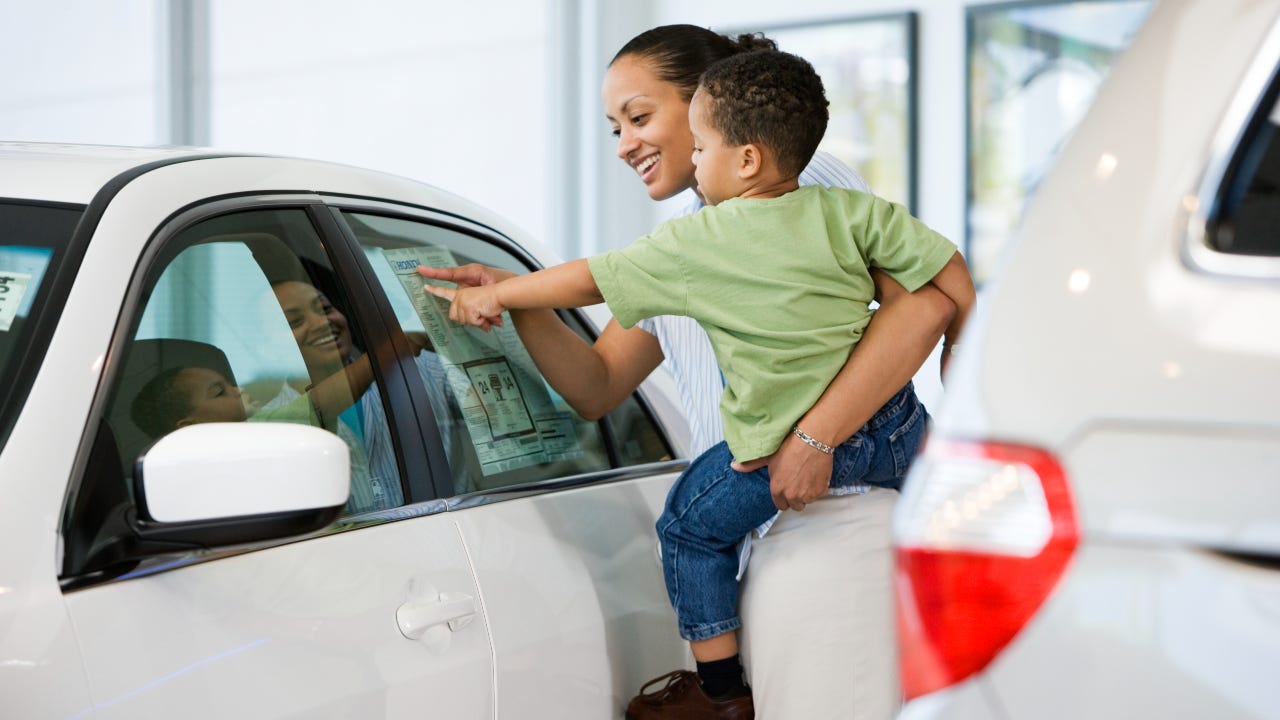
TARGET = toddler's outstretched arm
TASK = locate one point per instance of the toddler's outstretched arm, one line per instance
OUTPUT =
(568, 285)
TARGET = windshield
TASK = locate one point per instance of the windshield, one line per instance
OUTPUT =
(33, 239)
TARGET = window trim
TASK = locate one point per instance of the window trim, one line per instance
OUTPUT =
(1252, 104)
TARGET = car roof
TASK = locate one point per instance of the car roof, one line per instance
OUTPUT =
(70, 173)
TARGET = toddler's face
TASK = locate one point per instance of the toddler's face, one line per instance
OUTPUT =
(715, 163)
(211, 396)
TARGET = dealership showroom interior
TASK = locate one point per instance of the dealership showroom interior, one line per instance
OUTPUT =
(640, 359)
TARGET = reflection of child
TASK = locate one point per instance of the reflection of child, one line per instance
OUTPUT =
(183, 396)
(778, 275)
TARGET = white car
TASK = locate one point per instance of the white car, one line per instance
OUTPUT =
(1093, 530)
(449, 540)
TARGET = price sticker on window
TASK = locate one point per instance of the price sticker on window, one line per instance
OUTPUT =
(13, 285)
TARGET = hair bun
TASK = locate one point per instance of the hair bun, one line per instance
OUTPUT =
(750, 42)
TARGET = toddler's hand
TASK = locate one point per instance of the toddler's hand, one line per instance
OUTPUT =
(476, 306)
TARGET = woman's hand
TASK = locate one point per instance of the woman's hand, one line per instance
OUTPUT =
(471, 275)
(798, 474)
(476, 306)
(466, 277)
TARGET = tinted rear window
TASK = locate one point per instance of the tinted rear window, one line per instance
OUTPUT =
(33, 240)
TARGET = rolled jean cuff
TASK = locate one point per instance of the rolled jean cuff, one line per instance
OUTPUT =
(693, 633)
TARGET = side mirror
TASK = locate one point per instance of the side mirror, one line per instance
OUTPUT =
(229, 483)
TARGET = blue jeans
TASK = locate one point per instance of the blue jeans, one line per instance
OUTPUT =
(711, 507)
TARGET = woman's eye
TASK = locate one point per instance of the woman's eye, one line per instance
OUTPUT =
(639, 119)
(616, 132)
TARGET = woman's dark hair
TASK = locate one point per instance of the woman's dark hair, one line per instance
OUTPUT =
(681, 53)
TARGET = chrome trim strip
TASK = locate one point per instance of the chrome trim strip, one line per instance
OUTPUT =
(487, 497)
(1196, 251)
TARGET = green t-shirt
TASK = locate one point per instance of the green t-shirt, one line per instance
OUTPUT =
(781, 286)
(298, 412)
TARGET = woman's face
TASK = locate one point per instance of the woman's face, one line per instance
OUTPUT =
(321, 331)
(651, 122)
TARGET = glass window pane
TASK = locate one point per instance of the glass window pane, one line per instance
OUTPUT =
(33, 243)
(245, 321)
(1249, 219)
(517, 428)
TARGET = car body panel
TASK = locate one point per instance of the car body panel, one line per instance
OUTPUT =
(1152, 381)
(553, 621)
(302, 630)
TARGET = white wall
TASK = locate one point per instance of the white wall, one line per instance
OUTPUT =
(450, 93)
(80, 71)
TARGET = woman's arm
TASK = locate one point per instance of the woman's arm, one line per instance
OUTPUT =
(901, 335)
(956, 283)
(593, 379)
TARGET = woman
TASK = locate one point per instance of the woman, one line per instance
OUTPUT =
(809, 564)
(325, 343)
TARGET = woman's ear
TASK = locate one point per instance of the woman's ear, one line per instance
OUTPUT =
(750, 161)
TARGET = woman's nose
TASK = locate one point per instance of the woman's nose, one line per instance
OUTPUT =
(316, 320)
(627, 143)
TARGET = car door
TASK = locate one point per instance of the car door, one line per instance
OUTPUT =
(379, 615)
(556, 513)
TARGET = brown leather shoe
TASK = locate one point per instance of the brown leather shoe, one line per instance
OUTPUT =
(682, 698)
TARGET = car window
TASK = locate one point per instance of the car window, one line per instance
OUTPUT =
(244, 321)
(1248, 218)
(33, 240)
(510, 426)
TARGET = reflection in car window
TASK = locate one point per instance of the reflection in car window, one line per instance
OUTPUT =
(513, 427)
(244, 322)
(1248, 221)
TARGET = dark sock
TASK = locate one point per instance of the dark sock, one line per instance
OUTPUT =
(721, 678)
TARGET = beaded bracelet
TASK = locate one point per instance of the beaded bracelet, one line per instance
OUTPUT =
(812, 442)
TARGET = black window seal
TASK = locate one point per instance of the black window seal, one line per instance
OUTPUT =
(422, 472)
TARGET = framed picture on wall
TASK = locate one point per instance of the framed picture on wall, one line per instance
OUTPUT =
(868, 67)
(1033, 71)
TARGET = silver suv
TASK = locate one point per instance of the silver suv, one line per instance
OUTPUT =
(1094, 528)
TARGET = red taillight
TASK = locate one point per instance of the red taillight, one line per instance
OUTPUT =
(984, 533)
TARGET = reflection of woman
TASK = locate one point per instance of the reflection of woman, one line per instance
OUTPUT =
(808, 654)
(324, 340)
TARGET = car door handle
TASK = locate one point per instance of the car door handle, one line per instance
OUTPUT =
(417, 616)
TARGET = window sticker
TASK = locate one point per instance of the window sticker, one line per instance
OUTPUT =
(511, 417)
(21, 269)
(13, 286)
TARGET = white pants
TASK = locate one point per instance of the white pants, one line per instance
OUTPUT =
(817, 611)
